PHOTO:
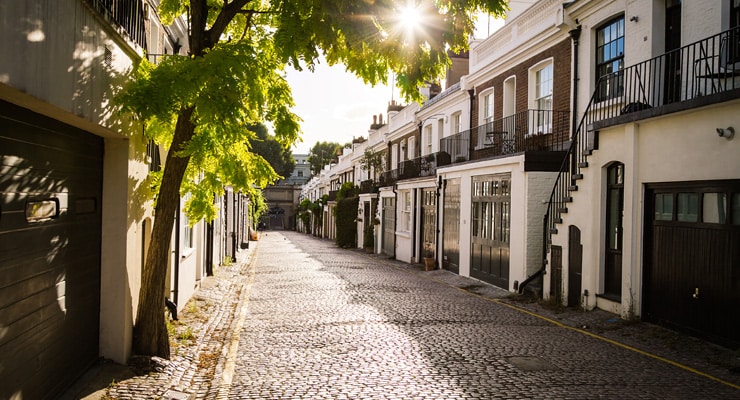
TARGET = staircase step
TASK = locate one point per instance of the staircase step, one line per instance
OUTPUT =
(554, 231)
(573, 188)
(583, 164)
(567, 199)
(563, 210)
(557, 220)
(576, 177)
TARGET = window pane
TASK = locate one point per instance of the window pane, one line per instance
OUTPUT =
(736, 208)
(688, 207)
(714, 210)
(664, 207)
(614, 214)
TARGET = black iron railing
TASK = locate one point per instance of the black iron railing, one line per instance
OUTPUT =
(457, 146)
(700, 69)
(126, 14)
(388, 178)
(529, 130)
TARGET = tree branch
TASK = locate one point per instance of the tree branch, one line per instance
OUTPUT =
(227, 14)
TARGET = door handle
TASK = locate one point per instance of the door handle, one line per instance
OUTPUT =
(696, 293)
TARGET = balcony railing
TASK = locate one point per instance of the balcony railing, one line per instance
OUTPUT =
(126, 14)
(703, 68)
(457, 146)
(529, 130)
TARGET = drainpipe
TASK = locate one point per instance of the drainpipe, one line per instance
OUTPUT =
(574, 35)
(471, 93)
(395, 218)
(413, 228)
(436, 236)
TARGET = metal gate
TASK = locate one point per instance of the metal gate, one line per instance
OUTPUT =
(389, 226)
(491, 205)
(692, 258)
(451, 226)
(50, 236)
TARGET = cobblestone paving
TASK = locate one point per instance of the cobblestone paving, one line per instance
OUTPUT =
(325, 323)
(318, 322)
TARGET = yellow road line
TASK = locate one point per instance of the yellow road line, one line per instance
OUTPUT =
(599, 337)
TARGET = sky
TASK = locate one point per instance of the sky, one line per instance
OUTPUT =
(336, 106)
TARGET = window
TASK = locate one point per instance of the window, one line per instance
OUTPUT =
(300, 174)
(428, 138)
(404, 222)
(664, 207)
(488, 107)
(456, 122)
(541, 76)
(486, 113)
(610, 58)
(186, 238)
(714, 208)
(688, 207)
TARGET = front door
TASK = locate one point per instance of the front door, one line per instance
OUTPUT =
(451, 228)
(614, 215)
(672, 81)
(575, 265)
(428, 222)
(389, 226)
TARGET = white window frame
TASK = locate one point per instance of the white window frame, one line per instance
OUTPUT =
(541, 123)
(486, 112)
(405, 212)
(428, 138)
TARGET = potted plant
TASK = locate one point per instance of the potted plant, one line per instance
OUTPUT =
(368, 239)
(429, 261)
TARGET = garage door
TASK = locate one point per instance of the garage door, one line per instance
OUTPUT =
(50, 196)
(692, 258)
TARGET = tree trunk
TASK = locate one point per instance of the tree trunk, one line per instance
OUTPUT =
(150, 332)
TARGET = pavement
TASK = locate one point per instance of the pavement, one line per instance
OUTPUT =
(297, 317)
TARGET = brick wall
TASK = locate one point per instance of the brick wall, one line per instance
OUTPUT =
(561, 55)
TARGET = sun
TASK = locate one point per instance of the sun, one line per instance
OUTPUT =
(410, 16)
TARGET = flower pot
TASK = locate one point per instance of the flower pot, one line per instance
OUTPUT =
(429, 264)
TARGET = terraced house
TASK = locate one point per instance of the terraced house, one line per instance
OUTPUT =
(587, 153)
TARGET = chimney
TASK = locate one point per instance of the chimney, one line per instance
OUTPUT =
(375, 119)
(380, 118)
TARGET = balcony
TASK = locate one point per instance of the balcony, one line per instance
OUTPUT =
(368, 186)
(126, 15)
(533, 131)
(698, 74)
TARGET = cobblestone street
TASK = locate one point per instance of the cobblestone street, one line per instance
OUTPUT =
(312, 321)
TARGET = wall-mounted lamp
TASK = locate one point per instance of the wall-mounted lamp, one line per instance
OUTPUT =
(634, 18)
(726, 133)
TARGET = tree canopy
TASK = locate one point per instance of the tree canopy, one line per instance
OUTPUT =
(280, 157)
(323, 153)
(197, 106)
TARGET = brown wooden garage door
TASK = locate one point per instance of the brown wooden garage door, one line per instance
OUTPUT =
(50, 196)
(692, 258)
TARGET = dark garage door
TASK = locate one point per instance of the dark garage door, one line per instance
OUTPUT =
(50, 196)
(692, 258)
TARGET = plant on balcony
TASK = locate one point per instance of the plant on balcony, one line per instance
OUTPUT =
(372, 161)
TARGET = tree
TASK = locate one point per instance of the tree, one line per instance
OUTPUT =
(266, 145)
(323, 153)
(196, 106)
(373, 161)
